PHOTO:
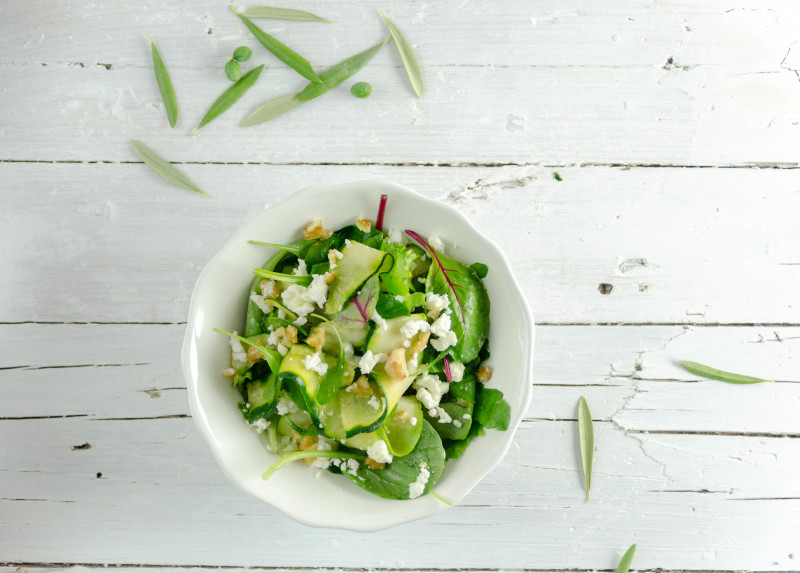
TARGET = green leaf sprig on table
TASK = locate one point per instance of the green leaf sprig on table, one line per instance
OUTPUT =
(627, 559)
(230, 96)
(164, 168)
(283, 14)
(407, 55)
(586, 434)
(164, 85)
(714, 374)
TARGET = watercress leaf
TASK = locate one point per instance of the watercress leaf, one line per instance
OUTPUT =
(281, 51)
(165, 85)
(627, 559)
(407, 55)
(394, 480)
(468, 299)
(480, 269)
(491, 410)
(714, 374)
(283, 14)
(389, 307)
(586, 434)
(230, 96)
(164, 168)
(340, 72)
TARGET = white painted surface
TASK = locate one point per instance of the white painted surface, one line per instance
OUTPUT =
(703, 263)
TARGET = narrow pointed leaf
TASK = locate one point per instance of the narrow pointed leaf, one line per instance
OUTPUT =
(230, 96)
(281, 51)
(272, 109)
(714, 374)
(407, 55)
(586, 432)
(165, 86)
(340, 72)
(627, 559)
(283, 14)
(164, 168)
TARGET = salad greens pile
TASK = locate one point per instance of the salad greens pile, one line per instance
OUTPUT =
(364, 355)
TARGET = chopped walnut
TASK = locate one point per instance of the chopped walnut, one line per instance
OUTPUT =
(434, 313)
(253, 353)
(421, 342)
(228, 372)
(314, 230)
(363, 224)
(373, 465)
(328, 277)
(360, 387)
(333, 256)
(402, 416)
(289, 336)
(270, 289)
(484, 373)
(396, 364)
(316, 339)
(307, 443)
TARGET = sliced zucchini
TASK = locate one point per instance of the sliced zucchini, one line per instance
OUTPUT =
(393, 389)
(402, 429)
(262, 395)
(358, 263)
(348, 414)
(386, 340)
(299, 422)
(301, 382)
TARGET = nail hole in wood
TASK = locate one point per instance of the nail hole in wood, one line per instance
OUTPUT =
(85, 446)
(605, 288)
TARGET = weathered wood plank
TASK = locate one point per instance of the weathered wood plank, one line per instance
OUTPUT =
(115, 243)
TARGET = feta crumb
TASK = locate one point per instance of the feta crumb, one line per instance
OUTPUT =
(457, 371)
(411, 365)
(444, 342)
(260, 425)
(435, 302)
(324, 444)
(395, 236)
(348, 349)
(457, 423)
(373, 401)
(347, 242)
(412, 327)
(369, 360)
(417, 488)
(239, 354)
(321, 463)
(318, 290)
(413, 421)
(441, 325)
(301, 270)
(379, 320)
(315, 363)
(400, 298)
(286, 406)
(281, 313)
(295, 298)
(379, 452)
(272, 339)
(333, 256)
(352, 467)
(430, 390)
(406, 344)
(282, 350)
(435, 242)
(466, 416)
(301, 320)
(259, 300)
(441, 413)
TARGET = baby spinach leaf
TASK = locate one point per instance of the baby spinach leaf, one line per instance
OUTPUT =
(394, 480)
(491, 410)
(480, 269)
(389, 307)
(468, 299)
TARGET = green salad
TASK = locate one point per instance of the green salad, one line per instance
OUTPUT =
(363, 354)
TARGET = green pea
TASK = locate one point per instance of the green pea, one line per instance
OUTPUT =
(242, 54)
(361, 89)
(233, 70)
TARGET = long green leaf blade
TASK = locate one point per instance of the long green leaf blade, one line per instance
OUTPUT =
(272, 109)
(281, 51)
(340, 72)
(410, 62)
(714, 374)
(272, 357)
(283, 14)
(164, 168)
(165, 86)
(230, 96)
(627, 559)
(586, 432)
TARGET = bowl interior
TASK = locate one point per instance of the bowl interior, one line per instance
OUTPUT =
(219, 300)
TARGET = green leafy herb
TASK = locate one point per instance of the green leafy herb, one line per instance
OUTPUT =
(407, 55)
(361, 90)
(165, 86)
(556, 176)
(491, 410)
(163, 168)
(272, 109)
(242, 54)
(586, 432)
(468, 299)
(230, 96)
(304, 280)
(233, 70)
(480, 269)
(289, 457)
(340, 72)
(714, 374)
(283, 14)
(281, 51)
(295, 248)
(272, 357)
(627, 559)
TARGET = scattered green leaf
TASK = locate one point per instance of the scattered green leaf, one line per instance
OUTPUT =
(283, 14)
(271, 109)
(556, 176)
(714, 374)
(480, 269)
(281, 51)
(165, 86)
(230, 96)
(407, 55)
(164, 168)
(586, 432)
(627, 559)
(361, 90)
(233, 70)
(242, 54)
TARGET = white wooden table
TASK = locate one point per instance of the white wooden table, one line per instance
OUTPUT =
(674, 125)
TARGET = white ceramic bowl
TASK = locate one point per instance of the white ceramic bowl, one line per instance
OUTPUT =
(219, 300)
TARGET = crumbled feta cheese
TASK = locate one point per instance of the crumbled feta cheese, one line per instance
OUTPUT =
(435, 242)
(281, 313)
(260, 425)
(411, 365)
(259, 300)
(288, 443)
(301, 270)
(443, 342)
(378, 319)
(324, 444)
(369, 360)
(406, 344)
(412, 327)
(321, 463)
(282, 350)
(272, 339)
(301, 320)
(348, 349)
(347, 242)
(286, 406)
(400, 298)
(373, 401)
(395, 236)
(457, 423)
(417, 488)
(379, 452)
(315, 363)
(318, 290)
(295, 298)
(466, 416)
(457, 371)
(239, 354)
(333, 256)
(268, 287)
(435, 302)
(430, 390)
(441, 413)
(352, 467)
(441, 325)
(413, 421)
